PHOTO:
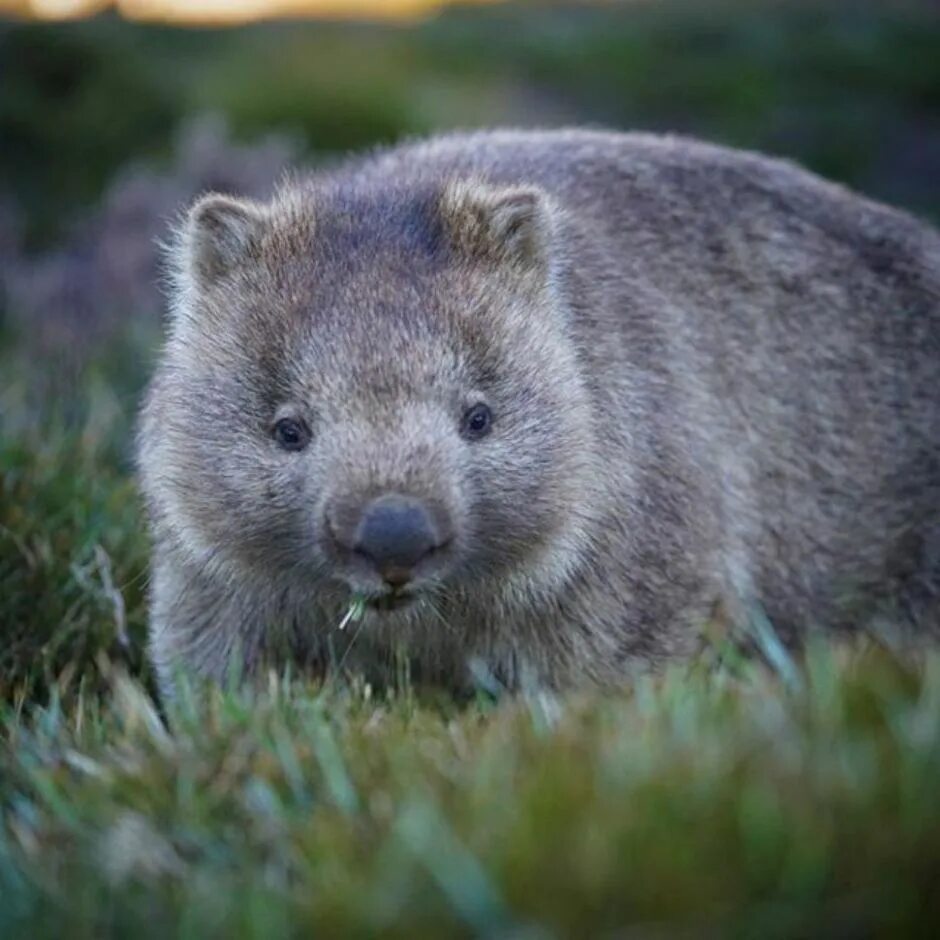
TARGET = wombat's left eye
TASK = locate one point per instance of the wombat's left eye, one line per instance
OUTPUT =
(291, 434)
(477, 421)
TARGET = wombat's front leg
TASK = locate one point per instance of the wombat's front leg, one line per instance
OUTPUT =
(202, 624)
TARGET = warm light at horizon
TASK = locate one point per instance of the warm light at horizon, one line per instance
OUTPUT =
(239, 11)
(224, 11)
(64, 9)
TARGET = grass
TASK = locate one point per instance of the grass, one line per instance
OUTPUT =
(727, 798)
(357, 607)
(695, 804)
(72, 549)
(724, 799)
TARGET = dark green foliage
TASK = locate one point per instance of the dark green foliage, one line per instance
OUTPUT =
(308, 86)
(850, 87)
(72, 546)
(74, 105)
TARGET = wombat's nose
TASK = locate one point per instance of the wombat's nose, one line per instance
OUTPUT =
(394, 533)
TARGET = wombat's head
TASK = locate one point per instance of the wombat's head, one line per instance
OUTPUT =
(373, 390)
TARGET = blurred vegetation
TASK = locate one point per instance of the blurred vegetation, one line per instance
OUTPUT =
(73, 552)
(699, 804)
(850, 87)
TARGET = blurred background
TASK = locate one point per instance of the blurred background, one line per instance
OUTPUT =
(114, 115)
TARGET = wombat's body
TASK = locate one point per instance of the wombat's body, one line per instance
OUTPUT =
(548, 401)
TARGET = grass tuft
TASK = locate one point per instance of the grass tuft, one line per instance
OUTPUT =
(774, 797)
(696, 802)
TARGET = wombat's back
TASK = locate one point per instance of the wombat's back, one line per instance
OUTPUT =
(772, 340)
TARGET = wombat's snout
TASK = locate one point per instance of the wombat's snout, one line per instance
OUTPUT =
(393, 534)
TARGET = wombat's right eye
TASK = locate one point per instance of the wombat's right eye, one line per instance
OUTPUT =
(477, 421)
(291, 434)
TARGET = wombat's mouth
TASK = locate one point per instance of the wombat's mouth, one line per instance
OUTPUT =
(393, 600)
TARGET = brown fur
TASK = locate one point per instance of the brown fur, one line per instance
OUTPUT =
(715, 380)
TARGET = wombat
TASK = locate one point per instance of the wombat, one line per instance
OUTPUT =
(541, 404)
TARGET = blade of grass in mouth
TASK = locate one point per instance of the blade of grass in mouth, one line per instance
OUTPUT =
(357, 607)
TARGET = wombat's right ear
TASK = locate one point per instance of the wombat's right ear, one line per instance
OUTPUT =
(498, 223)
(219, 233)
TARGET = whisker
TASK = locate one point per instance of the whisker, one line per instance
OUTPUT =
(352, 643)
(429, 601)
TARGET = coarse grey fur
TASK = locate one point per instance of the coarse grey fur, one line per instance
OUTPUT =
(715, 382)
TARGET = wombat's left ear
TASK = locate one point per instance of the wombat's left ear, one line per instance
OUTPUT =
(498, 223)
(220, 232)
